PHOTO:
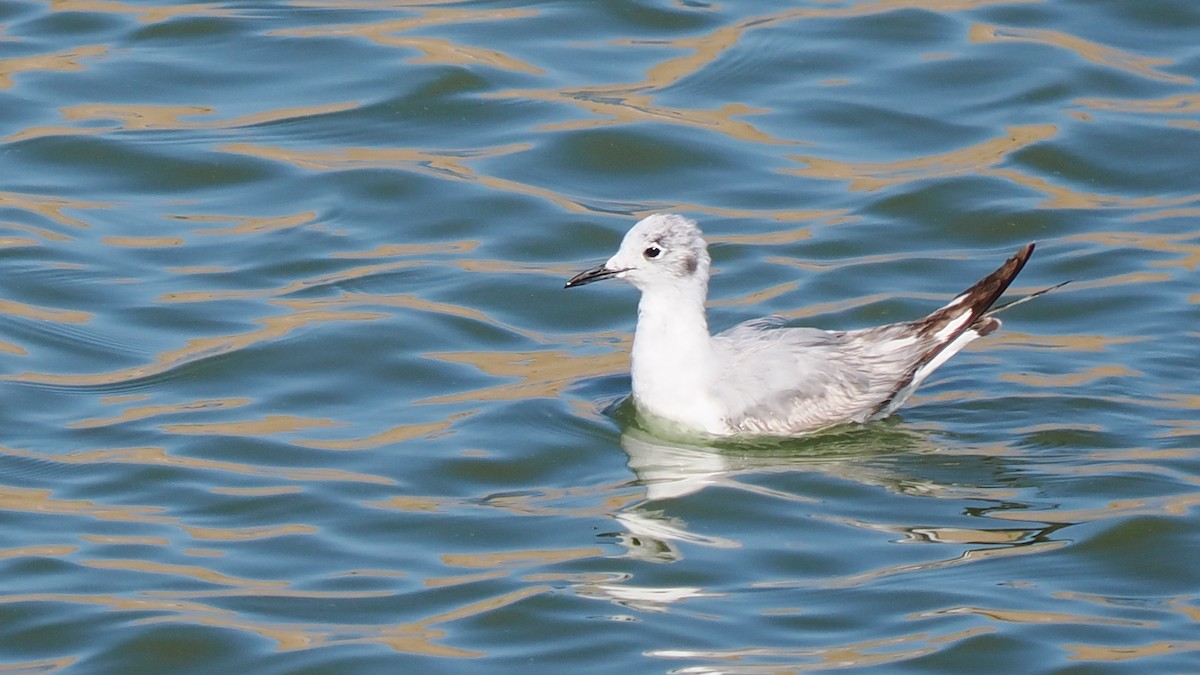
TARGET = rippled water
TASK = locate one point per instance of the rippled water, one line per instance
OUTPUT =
(289, 384)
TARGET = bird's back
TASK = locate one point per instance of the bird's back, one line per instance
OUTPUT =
(781, 381)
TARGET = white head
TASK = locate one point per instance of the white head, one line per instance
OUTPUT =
(662, 250)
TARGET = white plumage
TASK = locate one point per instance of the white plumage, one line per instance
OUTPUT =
(762, 378)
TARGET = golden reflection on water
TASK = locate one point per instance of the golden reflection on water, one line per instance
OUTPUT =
(1175, 505)
(392, 250)
(390, 436)
(51, 551)
(1108, 652)
(50, 207)
(37, 501)
(758, 298)
(246, 533)
(274, 328)
(976, 159)
(539, 374)
(1167, 213)
(401, 300)
(416, 637)
(13, 308)
(265, 491)
(330, 279)
(243, 225)
(1036, 617)
(615, 106)
(413, 503)
(125, 540)
(148, 117)
(39, 665)
(588, 501)
(17, 242)
(433, 50)
(1183, 104)
(1185, 246)
(444, 164)
(445, 582)
(1012, 339)
(631, 103)
(145, 412)
(981, 159)
(519, 558)
(271, 424)
(112, 602)
(189, 572)
(1070, 380)
(1104, 55)
(1061, 197)
(68, 60)
(144, 14)
(142, 242)
(1129, 652)
(156, 456)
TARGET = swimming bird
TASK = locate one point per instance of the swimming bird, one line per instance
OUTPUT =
(761, 378)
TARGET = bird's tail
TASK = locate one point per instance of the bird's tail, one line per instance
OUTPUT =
(1021, 301)
(966, 317)
(969, 309)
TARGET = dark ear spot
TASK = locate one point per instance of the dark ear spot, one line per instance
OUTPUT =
(690, 264)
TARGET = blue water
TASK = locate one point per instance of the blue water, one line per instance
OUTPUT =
(289, 382)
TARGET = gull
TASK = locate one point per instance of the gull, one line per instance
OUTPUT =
(762, 378)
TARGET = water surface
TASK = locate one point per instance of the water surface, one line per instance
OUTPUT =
(289, 383)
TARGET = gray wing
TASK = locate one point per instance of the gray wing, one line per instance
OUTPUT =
(790, 380)
(785, 380)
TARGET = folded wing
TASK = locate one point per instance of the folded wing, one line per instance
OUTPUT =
(789, 380)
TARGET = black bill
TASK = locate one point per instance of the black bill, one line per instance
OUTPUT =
(599, 273)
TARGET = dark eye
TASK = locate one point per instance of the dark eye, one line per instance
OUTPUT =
(652, 252)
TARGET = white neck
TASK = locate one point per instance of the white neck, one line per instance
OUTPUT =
(673, 364)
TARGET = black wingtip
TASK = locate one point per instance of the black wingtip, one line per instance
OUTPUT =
(968, 311)
(1020, 258)
(977, 299)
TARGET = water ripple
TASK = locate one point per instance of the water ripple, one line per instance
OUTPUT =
(289, 381)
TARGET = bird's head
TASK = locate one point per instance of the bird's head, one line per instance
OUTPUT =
(664, 249)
